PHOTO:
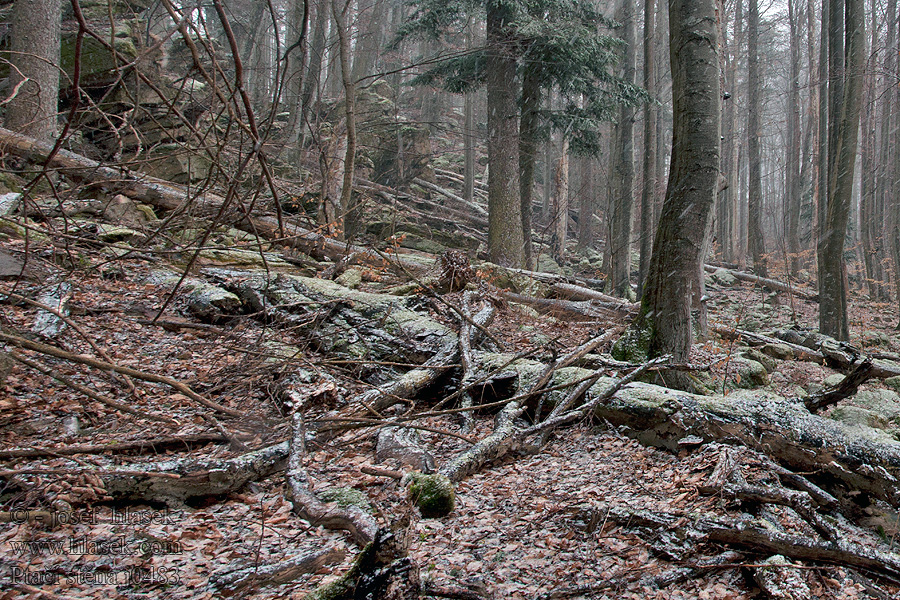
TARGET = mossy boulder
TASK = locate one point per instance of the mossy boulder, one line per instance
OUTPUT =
(433, 494)
(633, 345)
(748, 373)
(854, 415)
(884, 403)
(724, 278)
(765, 360)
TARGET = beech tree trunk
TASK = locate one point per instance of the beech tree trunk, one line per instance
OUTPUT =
(648, 191)
(842, 146)
(793, 183)
(349, 206)
(621, 201)
(34, 43)
(528, 134)
(756, 241)
(561, 204)
(693, 179)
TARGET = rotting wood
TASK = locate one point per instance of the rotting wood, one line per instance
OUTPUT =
(170, 196)
(848, 386)
(480, 210)
(284, 571)
(571, 291)
(174, 481)
(840, 355)
(758, 339)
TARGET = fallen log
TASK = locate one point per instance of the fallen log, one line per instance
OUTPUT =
(758, 339)
(587, 309)
(284, 571)
(170, 196)
(171, 442)
(571, 291)
(840, 355)
(361, 525)
(174, 481)
(771, 284)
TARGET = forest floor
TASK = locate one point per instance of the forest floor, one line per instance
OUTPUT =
(532, 526)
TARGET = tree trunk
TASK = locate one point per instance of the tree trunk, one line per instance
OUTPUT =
(621, 201)
(349, 206)
(756, 241)
(648, 189)
(34, 73)
(370, 42)
(793, 183)
(505, 242)
(693, 178)
(842, 158)
(889, 164)
(561, 204)
(469, 133)
(298, 40)
(528, 139)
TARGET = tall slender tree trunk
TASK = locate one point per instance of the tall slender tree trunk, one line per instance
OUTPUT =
(505, 242)
(469, 133)
(350, 210)
(888, 163)
(313, 78)
(693, 179)
(372, 36)
(561, 204)
(848, 75)
(34, 74)
(296, 58)
(648, 189)
(793, 183)
(756, 241)
(528, 142)
(621, 201)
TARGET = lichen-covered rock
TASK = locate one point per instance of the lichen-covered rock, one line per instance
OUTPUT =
(833, 380)
(724, 278)
(893, 383)
(747, 373)
(884, 403)
(875, 338)
(345, 497)
(854, 415)
(351, 278)
(633, 345)
(778, 351)
(765, 360)
(432, 494)
(203, 299)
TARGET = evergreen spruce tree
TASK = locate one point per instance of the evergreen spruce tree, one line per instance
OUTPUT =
(554, 46)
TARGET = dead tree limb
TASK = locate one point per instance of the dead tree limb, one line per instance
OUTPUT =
(846, 388)
(361, 526)
(170, 442)
(105, 366)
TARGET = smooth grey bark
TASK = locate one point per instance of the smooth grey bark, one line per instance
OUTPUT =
(469, 133)
(693, 178)
(793, 183)
(349, 206)
(561, 204)
(587, 203)
(371, 39)
(528, 143)
(31, 108)
(848, 74)
(889, 163)
(648, 189)
(505, 242)
(756, 241)
(621, 201)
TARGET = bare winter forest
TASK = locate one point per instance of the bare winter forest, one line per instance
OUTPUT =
(378, 299)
